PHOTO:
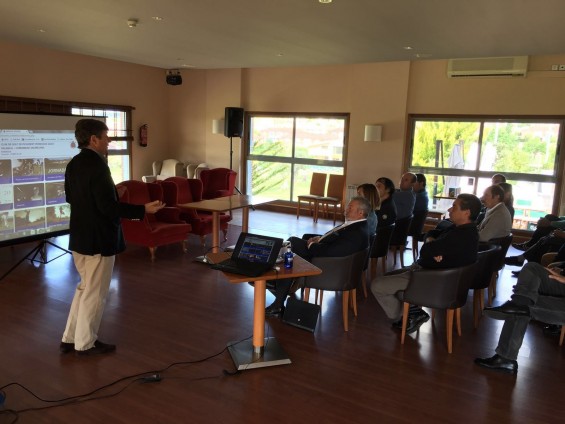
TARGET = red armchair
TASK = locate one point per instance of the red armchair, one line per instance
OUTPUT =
(153, 230)
(217, 182)
(179, 190)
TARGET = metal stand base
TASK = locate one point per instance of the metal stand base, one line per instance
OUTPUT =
(245, 357)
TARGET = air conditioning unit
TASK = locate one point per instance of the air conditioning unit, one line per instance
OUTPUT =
(513, 66)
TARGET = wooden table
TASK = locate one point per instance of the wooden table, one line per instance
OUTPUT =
(262, 352)
(225, 204)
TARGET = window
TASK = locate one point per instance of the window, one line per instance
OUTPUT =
(460, 155)
(119, 150)
(284, 150)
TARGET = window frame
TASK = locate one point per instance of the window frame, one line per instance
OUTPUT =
(556, 179)
(246, 145)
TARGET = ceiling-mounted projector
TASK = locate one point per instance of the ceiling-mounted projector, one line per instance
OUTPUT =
(174, 77)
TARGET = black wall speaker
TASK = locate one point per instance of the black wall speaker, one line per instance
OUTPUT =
(233, 126)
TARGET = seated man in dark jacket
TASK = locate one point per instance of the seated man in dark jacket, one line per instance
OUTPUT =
(451, 247)
(345, 239)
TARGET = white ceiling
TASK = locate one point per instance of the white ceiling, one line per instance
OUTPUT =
(272, 33)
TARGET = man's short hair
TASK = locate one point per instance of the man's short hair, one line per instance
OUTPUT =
(497, 191)
(364, 205)
(470, 202)
(86, 128)
(500, 177)
(421, 178)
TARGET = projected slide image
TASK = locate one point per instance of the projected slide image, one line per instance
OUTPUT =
(27, 170)
(55, 193)
(6, 197)
(58, 215)
(5, 171)
(6, 222)
(55, 169)
(30, 219)
(29, 195)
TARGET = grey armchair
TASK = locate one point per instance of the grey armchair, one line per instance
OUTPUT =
(339, 274)
(487, 262)
(439, 289)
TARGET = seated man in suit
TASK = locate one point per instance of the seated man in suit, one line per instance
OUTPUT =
(497, 221)
(345, 239)
(540, 295)
(451, 247)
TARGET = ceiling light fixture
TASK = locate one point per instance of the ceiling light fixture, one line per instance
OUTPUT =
(325, 1)
(132, 23)
(156, 18)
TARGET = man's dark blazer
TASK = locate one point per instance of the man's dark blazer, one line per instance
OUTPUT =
(95, 210)
(343, 242)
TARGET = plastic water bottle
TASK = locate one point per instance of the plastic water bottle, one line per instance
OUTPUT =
(288, 258)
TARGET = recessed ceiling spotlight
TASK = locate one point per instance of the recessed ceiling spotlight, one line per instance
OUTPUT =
(132, 23)
(325, 1)
(407, 48)
(41, 30)
(156, 18)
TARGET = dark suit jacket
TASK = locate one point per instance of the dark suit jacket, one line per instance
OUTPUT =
(458, 245)
(343, 242)
(95, 210)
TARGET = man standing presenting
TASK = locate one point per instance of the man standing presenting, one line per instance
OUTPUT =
(497, 221)
(454, 246)
(95, 235)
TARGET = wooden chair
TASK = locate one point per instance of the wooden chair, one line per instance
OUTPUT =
(334, 194)
(439, 289)
(339, 274)
(400, 237)
(317, 189)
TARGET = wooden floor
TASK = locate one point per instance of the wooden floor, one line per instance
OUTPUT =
(177, 311)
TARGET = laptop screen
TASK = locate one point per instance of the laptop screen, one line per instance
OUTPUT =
(256, 249)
